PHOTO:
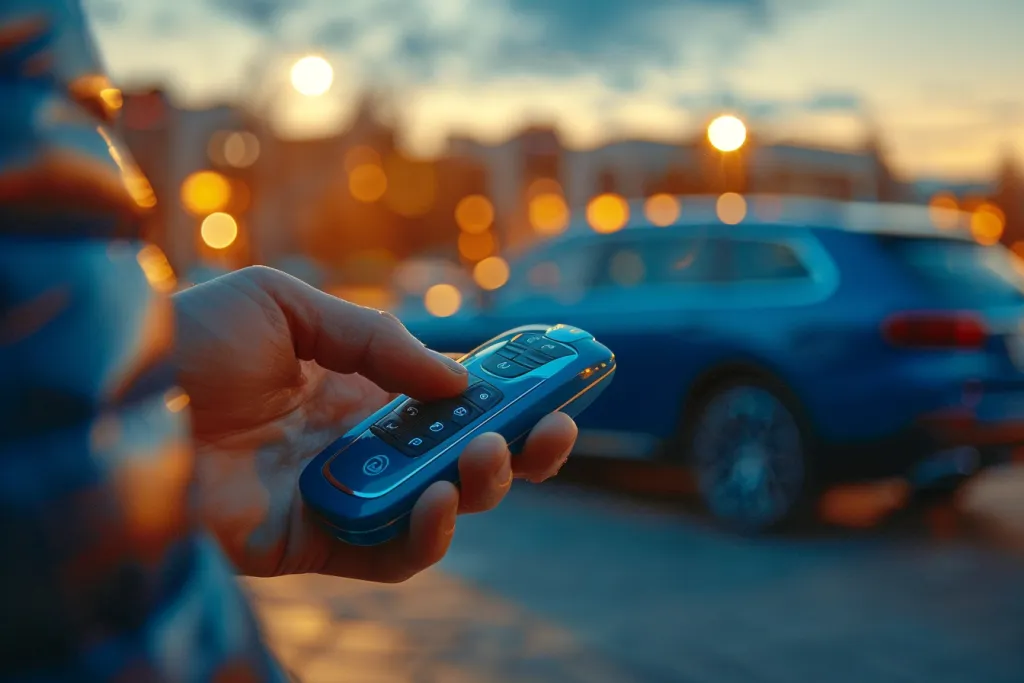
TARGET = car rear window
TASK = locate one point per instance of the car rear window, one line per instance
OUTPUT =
(962, 273)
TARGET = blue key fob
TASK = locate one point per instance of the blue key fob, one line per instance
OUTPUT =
(363, 486)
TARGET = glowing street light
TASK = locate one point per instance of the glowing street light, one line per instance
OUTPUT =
(727, 133)
(312, 76)
(219, 230)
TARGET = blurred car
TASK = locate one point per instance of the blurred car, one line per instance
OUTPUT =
(813, 342)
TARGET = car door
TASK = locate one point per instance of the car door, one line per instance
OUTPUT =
(652, 296)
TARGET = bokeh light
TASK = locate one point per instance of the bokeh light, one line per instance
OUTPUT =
(731, 208)
(241, 149)
(943, 210)
(367, 182)
(474, 213)
(662, 209)
(607, 213)
(491, 273)
(205, 192)
(548, 213)
(312, 76)
(442, 300)
(727, 133)
(987, 224)
(219, 230)
(476, 246)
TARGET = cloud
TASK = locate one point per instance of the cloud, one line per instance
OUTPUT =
(104, 11)
(619, 41)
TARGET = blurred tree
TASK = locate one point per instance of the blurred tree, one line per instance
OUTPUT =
(1009, 196)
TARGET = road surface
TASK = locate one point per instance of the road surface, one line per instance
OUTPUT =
(575, 584)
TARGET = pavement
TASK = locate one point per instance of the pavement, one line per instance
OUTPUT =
(572, 582)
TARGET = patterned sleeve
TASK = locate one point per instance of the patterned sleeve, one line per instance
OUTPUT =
(104, 573)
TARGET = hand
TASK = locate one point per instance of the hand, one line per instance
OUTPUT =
(275, 371)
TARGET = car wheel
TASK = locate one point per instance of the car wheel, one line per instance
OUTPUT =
(750, 456)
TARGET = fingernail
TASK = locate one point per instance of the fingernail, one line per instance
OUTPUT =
(449, 528)
(452, 364)
(505, 474)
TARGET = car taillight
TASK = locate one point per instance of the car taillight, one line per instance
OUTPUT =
(935, 331)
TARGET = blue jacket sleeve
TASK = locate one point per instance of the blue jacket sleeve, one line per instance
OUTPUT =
(104, 573)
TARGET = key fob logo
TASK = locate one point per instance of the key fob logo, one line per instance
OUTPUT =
(416, 442)
(375, 465)
(436, 427)
(460, 412)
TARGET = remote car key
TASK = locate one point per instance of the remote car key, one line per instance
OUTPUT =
(363, 486)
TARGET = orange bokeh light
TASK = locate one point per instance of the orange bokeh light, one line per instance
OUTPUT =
(491, 273)
(731, 208)
(367, 182)
(476, 246)
(474, 213)
(548, 213)
(442, 300)
(987, 224)
(662, 209)
(607, 213)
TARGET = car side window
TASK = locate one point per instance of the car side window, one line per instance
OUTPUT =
(763, 260)
(562, 273)
(663, 260)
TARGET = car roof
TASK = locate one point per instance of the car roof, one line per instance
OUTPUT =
(914, 220)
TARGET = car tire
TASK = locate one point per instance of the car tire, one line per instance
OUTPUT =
(752, 455)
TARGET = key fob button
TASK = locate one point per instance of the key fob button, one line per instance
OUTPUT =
(371, 471)
(410, 410)
(392, 424)
(504, 367)
(552, 349)
(414, 444)
(530, 341)
(483, 396)
(462, 413)
(508, 351)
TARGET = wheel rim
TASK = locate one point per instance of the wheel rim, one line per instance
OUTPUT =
(748, 457)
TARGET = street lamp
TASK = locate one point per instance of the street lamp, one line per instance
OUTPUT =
(727, 133)
(312, 76)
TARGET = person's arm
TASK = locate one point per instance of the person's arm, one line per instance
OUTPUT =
(104, 573)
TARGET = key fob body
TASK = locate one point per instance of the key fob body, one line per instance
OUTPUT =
(363, 486)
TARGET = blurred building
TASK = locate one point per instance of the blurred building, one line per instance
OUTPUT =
(170, 144)
(345, 209)
(638, 168)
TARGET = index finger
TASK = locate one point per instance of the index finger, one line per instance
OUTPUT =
(348, 338)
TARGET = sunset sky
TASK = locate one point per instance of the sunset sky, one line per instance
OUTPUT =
(940, 78)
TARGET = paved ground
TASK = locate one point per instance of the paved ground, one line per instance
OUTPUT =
(566, 584)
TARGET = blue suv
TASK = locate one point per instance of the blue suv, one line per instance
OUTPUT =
(810, 343)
